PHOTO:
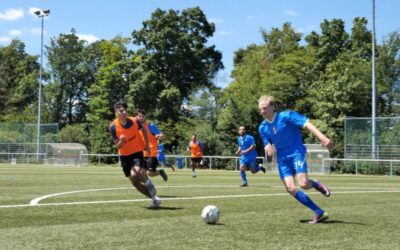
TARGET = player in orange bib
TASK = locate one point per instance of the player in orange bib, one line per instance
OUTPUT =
(125, 132)
(153, 135)
(196, 153)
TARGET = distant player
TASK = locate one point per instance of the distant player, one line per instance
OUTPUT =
(248, 154)
(196, 153)
(151, 158)
(160, 153)
(282, 131)
(125, 132)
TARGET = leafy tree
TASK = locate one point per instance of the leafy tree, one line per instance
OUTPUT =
(174, 60)
(281, 42)
(361, 38)
(332, 42)
(114, 65)
(388, 75)
(343, 90)
(18, 83)
(71, 77)
(76, 133)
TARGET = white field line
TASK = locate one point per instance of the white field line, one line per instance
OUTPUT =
(35, 202)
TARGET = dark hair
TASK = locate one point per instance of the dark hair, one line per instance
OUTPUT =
(141, 111)
(120, 104)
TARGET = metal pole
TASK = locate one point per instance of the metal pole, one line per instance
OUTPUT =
(373, 82)
(40, 93)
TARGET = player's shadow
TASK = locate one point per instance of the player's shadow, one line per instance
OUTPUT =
(335, 222)
(164, 208)
(216, 224)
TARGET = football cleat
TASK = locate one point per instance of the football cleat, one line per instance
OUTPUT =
(323, 189)
(155, 202)
(319, 218)
(163, 174)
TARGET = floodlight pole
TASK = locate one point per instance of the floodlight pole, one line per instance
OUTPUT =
(41, 14)
(373, 83)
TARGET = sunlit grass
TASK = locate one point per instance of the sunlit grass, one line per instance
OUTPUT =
(363, 211)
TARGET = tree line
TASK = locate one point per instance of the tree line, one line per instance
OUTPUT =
(171, 74)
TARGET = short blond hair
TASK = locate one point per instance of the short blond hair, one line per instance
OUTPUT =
(267, 98)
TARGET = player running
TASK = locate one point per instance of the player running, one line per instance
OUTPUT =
(125, 132)
(281, 131)
(248, 154)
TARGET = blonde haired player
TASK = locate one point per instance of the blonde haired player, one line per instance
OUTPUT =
(280, 131)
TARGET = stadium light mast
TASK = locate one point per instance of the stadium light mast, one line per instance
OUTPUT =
(41, 14)
(373, 83)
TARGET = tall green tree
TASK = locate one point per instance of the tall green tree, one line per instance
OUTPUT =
(71, 78)
(114, 66)
(333, 41)
(281, 41)
(18, 83)
(388, 75)
(175, 60)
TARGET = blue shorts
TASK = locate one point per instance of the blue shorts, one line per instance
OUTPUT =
(292, 164)
(248, 163)
(161, 158)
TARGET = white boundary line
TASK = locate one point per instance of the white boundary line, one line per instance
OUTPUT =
(35, 202)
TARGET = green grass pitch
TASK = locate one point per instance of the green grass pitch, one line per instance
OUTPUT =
(96, 208)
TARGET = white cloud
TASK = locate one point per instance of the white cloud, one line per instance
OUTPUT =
(88, 37)
(37, 31)
(250, 17)
(11, 14)
(224, 33)
(4, 39)
(292, 13)
(15, 32)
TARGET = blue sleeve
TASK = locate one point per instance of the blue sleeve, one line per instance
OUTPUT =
(263, 135)
(297, 119)
(201, 145)
(113, 132)
(251, 140)
(153, 129)
(139, 124)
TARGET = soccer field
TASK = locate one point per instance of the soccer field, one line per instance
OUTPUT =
(96, 208)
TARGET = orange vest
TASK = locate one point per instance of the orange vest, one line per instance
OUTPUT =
(152, 142)
(134, 141)
(195, 150)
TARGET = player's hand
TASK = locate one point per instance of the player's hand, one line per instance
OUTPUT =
(122, 138)
(269, 149)
(327, 143)
(147, 150)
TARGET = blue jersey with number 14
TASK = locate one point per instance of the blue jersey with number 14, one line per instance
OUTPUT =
(284, 132)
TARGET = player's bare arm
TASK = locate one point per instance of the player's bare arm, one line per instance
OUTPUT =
(325, 141)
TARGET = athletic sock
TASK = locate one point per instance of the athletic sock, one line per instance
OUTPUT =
(306, 201)
(149, 184)
(257, 168)
(243, 175)
(314, 184)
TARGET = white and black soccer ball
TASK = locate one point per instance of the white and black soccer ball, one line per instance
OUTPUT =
(210, 214)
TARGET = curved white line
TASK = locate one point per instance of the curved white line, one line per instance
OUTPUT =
(37, 200)
(190, 198)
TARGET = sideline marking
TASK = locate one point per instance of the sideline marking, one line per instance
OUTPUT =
(35, 202)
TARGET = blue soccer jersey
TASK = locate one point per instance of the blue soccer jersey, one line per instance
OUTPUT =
(160, 154)
(245, 142)
(284, 132)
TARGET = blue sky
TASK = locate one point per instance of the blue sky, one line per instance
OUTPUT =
(238, 22)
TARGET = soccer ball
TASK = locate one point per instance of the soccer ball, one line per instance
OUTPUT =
(210, 214)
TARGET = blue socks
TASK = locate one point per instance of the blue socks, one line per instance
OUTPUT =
(314, 184)
(243, 175)
(306, 201)
(257, 168)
